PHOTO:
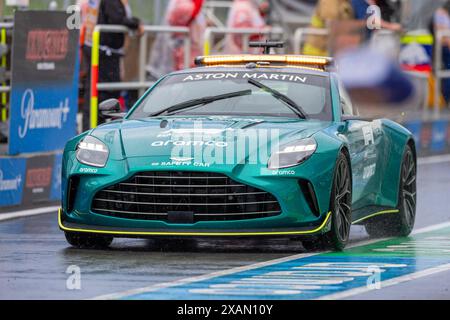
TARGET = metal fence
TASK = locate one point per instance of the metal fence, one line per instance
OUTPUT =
(211, 10)
(143, 50)
(244, 32)
(300, 36)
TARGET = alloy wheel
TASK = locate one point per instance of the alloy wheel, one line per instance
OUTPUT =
(408, 189)
(343, 200)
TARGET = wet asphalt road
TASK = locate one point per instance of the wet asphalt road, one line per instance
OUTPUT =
(34, 255)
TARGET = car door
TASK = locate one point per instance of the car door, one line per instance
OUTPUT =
(363, 138)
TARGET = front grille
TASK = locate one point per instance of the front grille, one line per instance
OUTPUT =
(207, 196)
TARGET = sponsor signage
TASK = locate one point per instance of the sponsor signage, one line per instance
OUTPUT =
(415, 127)
(432, 137)
(12, 177)
(38, 179)
(29, 180)
(55, 192)
(426, 137)
(439, 135)
(44, 90)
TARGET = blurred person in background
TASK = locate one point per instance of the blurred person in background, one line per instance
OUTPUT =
(325, 12)
(88, 14)
(114, 12)
(167, 53)
(245, 14)
(441, 21)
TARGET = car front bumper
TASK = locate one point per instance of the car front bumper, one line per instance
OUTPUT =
(296, 217)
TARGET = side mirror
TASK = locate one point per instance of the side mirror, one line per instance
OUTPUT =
(110, 105)
(111, 108)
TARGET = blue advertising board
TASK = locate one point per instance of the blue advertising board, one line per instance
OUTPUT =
(415, 127)
(29, 180)
(439, 136)
(55, 192)
(12, 179)
(44, 88)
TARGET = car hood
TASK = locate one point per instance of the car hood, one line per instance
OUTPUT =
(164, 137)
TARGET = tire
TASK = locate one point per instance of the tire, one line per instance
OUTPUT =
(88, 241)
(402, 223)
(340, 207)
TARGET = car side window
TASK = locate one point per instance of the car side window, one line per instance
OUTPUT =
(346, 104)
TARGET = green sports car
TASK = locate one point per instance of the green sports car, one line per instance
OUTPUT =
(242, 146)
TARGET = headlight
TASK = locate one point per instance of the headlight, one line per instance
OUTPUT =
(92, 152)
(292, 154)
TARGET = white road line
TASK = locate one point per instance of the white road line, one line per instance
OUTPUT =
(433, 227)
(27, 213)
(388, 283)
(208, 276)
(433, 159)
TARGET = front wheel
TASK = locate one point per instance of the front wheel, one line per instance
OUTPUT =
(340, 207)
(88, 241)
(402, 223)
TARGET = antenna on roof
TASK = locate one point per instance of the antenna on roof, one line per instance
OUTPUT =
(266, 45)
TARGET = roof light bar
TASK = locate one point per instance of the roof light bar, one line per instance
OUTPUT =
(237, 59)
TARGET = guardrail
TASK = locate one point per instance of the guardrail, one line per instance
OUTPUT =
(141, 83)
(439, 73)
(300, 33)
(210, 7)
(245, 32)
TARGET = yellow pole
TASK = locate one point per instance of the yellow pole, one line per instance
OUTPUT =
(95, 58)
(4, 64)
(206, 48)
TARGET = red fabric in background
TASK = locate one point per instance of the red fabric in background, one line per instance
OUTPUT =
(197, 8)
(184, 12)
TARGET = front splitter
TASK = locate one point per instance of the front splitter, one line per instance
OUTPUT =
(136, 233)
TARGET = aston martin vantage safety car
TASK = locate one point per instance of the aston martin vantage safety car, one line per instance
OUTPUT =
(241, 146)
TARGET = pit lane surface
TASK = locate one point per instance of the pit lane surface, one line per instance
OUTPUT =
(34, 258)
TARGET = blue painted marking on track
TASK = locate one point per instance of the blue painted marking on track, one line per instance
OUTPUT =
(316, 276)
(214, 289)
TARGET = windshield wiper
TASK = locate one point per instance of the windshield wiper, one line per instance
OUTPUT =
(201, 101)
(278, 95)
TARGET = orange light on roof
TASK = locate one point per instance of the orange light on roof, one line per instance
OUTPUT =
(288, 59)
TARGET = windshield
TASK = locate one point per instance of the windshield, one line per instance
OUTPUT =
(310, 92)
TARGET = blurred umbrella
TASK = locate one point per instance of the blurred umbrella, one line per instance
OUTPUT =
(374, 78)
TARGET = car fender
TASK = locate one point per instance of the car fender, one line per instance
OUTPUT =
(396, 138)
(329, 146)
